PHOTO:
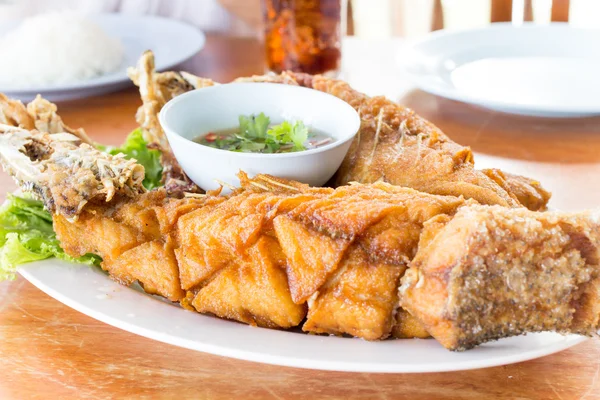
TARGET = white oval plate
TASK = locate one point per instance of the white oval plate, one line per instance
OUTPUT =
(90, 291)
(173, 42)
(549, 71)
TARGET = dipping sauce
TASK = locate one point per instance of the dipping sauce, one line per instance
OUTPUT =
(256, 134)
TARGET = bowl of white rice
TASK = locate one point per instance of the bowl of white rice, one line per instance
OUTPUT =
(55, 49)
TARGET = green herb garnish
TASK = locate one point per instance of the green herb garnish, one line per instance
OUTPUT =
(254, 127)
(255, 136)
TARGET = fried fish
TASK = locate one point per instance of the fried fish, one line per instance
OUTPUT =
(276, 253)
(414, 240)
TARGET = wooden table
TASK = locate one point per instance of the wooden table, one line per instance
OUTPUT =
(49, 351)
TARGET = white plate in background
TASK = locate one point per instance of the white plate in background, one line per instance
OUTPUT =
(172, 42)
(539, 70)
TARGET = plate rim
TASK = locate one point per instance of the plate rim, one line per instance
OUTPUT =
(287, 361)
(199, 44)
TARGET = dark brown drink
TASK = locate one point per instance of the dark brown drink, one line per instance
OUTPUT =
(303, 35)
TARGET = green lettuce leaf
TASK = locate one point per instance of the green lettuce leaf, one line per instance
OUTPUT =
(136, 147)
(26, 235)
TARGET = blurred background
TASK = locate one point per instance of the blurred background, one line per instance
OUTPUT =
(365, 18)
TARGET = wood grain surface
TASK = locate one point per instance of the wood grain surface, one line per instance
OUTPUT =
(49, 351)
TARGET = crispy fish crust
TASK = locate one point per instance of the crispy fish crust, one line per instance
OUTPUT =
(396, 145)
(275, 253)
(270, 254)
(494, 272)
(341, 253)
(135, 239)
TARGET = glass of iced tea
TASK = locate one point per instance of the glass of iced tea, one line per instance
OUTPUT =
(304, 35)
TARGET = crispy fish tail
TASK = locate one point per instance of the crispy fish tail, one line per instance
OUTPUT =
(527, 191)
(156, 89)
(40, 114)
(46, 119)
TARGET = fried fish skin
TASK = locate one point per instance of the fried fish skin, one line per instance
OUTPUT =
(477, 274)
(470, 279)
(360, 300)
(362, 237)
(134, 239)
(396, 145)
(341, 251)
(494, 272)
(253, 290)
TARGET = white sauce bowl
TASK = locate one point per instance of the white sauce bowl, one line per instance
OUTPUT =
(217, 108)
